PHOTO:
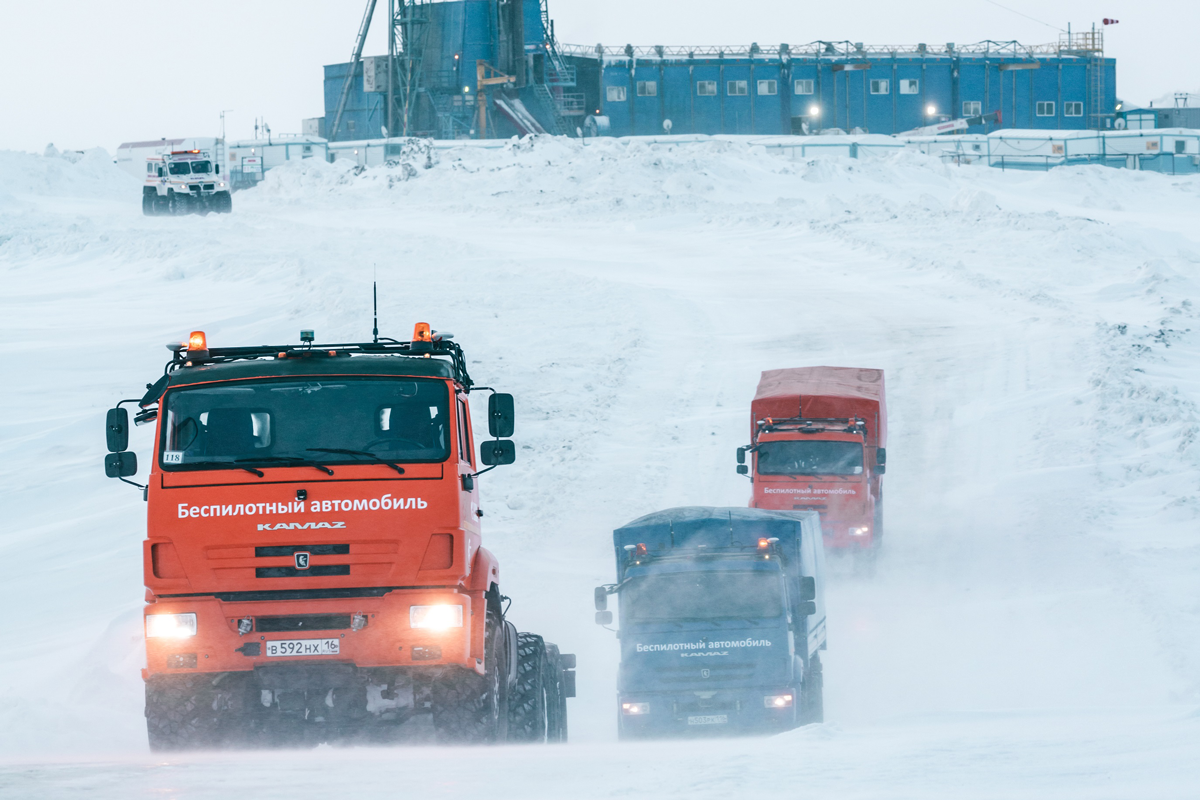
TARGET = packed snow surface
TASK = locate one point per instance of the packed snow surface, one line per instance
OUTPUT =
(1033, 624)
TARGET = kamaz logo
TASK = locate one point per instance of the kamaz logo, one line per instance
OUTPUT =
(302, 558)
(299, 526)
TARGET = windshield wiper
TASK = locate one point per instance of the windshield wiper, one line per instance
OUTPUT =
(294, 460)
(345, 452)
(222, 464)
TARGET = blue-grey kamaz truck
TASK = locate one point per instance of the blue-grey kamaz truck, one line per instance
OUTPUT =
(721, 621)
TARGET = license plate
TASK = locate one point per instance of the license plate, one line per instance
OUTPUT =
(304, 647)
(709, 719)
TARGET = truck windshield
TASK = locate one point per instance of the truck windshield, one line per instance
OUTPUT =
(810, 458)
(704, 595)
(201, 167)
(179, 168)
(272, 421)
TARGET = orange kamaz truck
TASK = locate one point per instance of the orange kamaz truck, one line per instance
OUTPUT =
(314, 565)
(818, 440)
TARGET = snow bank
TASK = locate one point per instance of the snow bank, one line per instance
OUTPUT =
(90, 174)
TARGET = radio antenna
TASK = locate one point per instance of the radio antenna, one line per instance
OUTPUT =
(375, 309)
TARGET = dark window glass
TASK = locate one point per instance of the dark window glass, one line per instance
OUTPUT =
(810, 458)
(179, 168)
(201, 167)
(277, 420)
(704, 595)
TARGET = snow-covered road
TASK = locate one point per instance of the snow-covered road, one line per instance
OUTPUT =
(1033, 625)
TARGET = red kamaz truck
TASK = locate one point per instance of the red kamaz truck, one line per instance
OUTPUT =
(818, 439)
(313, 561)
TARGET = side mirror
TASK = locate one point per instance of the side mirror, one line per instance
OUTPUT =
(881, 460)
(601, 598)
(604, 618)
(743, 469)
(741, 456)
(120, 465)
(808, 588)
(806, 609)
(116, 428)
(500, 415)
(497, 453)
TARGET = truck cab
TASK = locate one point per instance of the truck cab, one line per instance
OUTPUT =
(313, 560)
(722, 617)
(818, 442)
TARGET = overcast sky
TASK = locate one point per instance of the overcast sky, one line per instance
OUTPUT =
(81, 74)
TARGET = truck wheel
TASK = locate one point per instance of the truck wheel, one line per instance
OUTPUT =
(161, 206)
(556, 712)
(222, 202)
(187, 712)
(470, 708)
(812, 700)
(149, 207)
(528, 707)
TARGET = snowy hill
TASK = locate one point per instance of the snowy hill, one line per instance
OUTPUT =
(1034, 622)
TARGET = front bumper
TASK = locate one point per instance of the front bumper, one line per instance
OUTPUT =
(734, 711)
(386, 640)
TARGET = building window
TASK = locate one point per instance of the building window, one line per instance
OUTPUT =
(706, 88)
(972, 108)
(647, 88)
(349, 126)
(910, 86)
(615, 94)
(1180, 146)
(804, 86)
(1045, 108)
(768, 87)
(1073, 108)
(736, 88)
(881, 87)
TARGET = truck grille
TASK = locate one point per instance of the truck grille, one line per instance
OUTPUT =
(291, 549)
(691, 674)
(315, 571)
(303, 622)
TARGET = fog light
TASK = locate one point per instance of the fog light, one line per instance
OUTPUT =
(170, 626)
(777, 701)
(181, 661)
(635, 709)
(861, 531)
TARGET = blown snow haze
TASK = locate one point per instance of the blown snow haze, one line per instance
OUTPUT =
(1033, 626)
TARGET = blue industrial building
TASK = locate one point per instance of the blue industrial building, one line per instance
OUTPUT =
(536, 84)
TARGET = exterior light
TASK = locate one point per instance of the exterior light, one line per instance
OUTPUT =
(641, 549)
(814, 111)
(170, 626)
(421, 332)
(197, 342)
(860, 531)
(466, 90)
(635, 709)
(778, 701)
(435, 618)
(931, 109)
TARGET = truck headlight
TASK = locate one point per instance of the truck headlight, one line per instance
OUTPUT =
(435, 618)
(861, 531)
(635, 709)
(778, 701)
(170, 626)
